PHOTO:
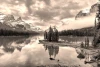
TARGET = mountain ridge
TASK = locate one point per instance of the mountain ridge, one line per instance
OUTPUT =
(9, 22)
(87, 12)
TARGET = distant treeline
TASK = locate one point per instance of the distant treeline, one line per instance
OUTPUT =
(16, 33)
(89, 31)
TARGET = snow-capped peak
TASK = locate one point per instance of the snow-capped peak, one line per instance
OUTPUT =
(86, 11)
(2, 17)
(19, 19)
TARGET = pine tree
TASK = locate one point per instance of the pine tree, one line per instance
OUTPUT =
(97, 28)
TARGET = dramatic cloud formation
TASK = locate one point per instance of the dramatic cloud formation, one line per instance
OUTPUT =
(45, 10)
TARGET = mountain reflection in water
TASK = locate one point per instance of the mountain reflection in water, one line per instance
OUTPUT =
(28, 52)
(9, 44)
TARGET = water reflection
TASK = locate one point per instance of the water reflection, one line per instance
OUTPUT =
(9, 44)
(74, 39)
(28, 52)
(52, 50)
(88, 57)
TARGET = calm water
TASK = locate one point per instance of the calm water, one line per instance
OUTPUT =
(28, 52)
(75, 39)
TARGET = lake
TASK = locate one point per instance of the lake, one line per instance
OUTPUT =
(29, 52)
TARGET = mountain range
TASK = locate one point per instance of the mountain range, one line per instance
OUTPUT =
(8, 22)
(87, 12)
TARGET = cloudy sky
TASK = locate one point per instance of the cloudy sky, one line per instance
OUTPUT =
(43, 13)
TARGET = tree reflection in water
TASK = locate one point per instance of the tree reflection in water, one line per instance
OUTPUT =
(52, 50)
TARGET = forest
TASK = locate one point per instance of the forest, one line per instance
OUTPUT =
(88, 31)
(16, 33)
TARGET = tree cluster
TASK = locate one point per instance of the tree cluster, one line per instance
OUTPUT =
(78, 32)
(15, 33)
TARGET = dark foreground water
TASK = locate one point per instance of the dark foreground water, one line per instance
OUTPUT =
(28, 52)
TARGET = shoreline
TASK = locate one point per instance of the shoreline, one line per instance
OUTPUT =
(91, 51)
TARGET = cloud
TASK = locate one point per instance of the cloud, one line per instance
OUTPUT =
(48, 2)
(44, 10)
(28, 3)
(45, 14)
(80, 23)
(62, 8)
